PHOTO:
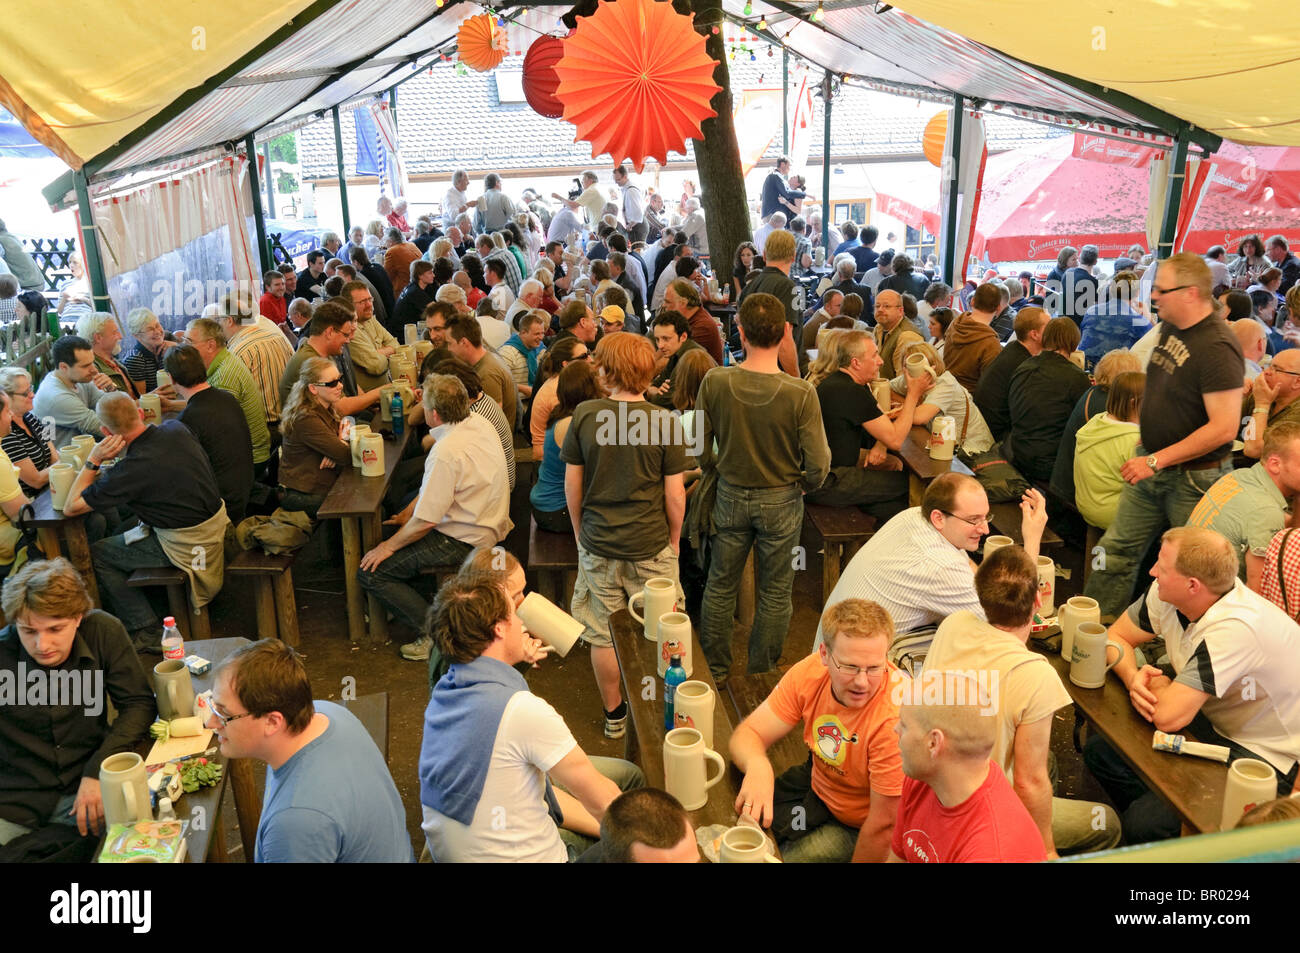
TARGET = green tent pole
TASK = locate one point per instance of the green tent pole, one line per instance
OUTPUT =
(826, 161)
(949, 236)
(259, 213)
(90, 245)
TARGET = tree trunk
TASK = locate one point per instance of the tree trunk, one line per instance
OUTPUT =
(717, 155)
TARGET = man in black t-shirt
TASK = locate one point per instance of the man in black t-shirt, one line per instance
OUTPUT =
(217, 421)
(853, 422)
(163, 478)
(1190, 413)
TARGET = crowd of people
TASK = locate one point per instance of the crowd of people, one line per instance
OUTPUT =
(581, 329)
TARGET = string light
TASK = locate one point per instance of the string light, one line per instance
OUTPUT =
(820, 13)
(749, 8)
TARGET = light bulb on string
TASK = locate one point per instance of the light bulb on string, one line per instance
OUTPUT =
(820, 13)
(762, 23)
(749, 8)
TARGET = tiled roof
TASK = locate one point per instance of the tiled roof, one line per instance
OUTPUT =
(446, 121)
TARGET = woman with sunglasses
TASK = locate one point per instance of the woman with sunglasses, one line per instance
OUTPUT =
(26, 444)
(315, 446)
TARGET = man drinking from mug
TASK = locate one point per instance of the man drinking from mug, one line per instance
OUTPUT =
(51, 747)
(840, 803)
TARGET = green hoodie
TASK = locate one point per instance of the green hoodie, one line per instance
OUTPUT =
(1102, 446)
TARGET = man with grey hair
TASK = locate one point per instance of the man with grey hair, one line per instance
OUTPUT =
(265, 353)
(1280, 255)
(530, 297)
(456, 203)
(776, 221)
(464, 502)
(105, 338)
(163, 478)
(846, 284)
(697, 235)
(832, 301)
(231, 374)
(331, 242)
(495, 208)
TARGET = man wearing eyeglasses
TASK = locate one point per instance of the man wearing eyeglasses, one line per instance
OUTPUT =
(1272, 400)
(329, 797)
(840, 804)
(1190, 415)
(917, 566)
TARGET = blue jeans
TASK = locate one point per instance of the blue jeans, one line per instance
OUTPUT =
(1146, 510)
(768, 521)
(114, 560)
(814, 835)
(391, 581)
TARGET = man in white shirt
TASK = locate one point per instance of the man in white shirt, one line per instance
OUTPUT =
(633, 211)
(591, 202)
(1232, 656)
(1026, 692)
(464, 502)
(916, 565)
(456, 202)
(760, 234)
(489, 744)
(530, 297)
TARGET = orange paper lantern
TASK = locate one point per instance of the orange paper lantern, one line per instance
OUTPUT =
(936, 135)
(480, 43)
(540, 80)
(636, 81)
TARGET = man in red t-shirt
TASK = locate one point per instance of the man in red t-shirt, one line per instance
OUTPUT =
(840, 803)
(273, 304)
(957, 805)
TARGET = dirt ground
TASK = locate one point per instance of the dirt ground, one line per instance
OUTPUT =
(567, 683)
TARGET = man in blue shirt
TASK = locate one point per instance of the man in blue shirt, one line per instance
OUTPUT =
(329, 797)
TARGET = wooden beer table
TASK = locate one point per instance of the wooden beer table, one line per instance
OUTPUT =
(55, 531)
(921, 467)
(357, 502)
(645, 729)
(1192, 786)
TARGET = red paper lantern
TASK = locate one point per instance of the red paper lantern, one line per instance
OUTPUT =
(481, 43)
(540, 79)
(936, 135)
(636, 81)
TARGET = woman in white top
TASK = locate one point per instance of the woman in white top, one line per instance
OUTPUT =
(943, 395)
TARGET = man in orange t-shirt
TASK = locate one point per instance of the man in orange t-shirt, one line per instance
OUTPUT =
(840, 804)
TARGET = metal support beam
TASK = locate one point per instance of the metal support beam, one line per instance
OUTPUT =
(90, 244)
(269, 209)
(1173, 196)
(826, 160)
(343, 180)
(948, 240)
(785, 101)
(259, 214)
(392, 105)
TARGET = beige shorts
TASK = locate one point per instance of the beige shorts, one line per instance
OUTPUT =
(604, 586)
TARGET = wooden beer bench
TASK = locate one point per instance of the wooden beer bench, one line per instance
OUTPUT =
(553, 559)
(843, 531)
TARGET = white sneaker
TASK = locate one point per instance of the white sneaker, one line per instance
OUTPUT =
(418, 651)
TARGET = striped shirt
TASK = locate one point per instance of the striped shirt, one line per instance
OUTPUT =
(230, 374)
(912, 572)
(143, 365)
(266, 354)
(487, 408)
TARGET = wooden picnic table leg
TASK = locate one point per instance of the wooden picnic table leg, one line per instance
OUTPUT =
(352, 562)
(915, 489)
(216, 843)
(372, 534)
(247, 808)
(79, 555)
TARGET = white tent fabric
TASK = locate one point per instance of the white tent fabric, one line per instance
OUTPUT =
(970, 175)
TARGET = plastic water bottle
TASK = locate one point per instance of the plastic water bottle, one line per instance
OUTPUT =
(398, 412)
(672, 678)
(173, 645)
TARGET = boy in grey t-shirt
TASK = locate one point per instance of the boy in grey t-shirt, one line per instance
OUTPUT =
(626, 498)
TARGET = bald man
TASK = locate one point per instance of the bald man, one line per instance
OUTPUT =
(893, 334)
(1272, 399)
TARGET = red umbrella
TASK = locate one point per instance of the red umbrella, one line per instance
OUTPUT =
(636, 81)
(540, 79)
